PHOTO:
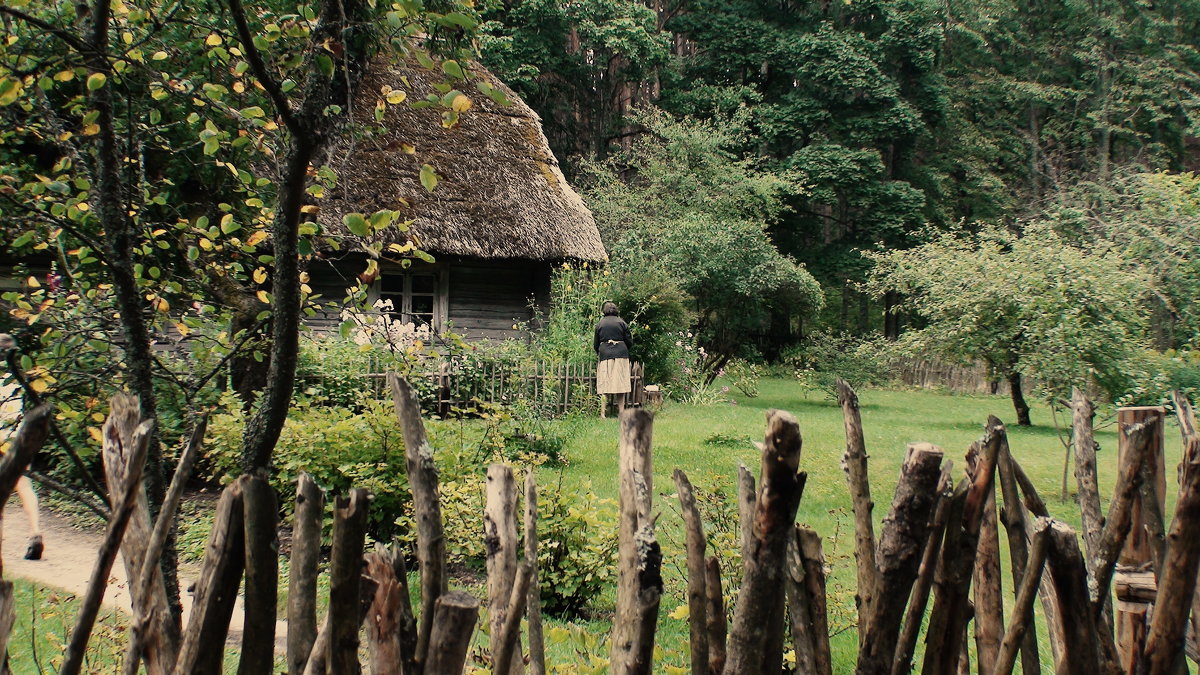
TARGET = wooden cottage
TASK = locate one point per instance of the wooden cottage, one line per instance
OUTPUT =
(500, 217)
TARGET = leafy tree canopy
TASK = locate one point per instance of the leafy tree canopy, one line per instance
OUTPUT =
(1031, 305)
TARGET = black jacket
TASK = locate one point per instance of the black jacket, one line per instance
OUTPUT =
(613, 339)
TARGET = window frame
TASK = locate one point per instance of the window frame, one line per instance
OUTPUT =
(440, 294)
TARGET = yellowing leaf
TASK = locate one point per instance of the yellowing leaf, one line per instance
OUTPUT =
(257, 237)
(32, 282)
(96, 80)
(159, 56)
(10, 90)
(65, 75)
(39, 385)
(407, 149)
(91, 129)
(680, 613)
(263, 297)
(183, 328)
(95, 434)
(460, 103)
(212, 40)
(310, 208)
(395, 97)
(429, 177)
(162, 305)
(260, 275)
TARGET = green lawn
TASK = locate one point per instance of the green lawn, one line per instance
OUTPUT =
(891, 420)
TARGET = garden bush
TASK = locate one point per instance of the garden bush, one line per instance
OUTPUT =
(824, 357)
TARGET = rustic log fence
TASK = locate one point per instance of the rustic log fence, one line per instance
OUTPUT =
(936, 545)
(463, 383)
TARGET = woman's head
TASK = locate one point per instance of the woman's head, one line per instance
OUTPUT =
(609, 308)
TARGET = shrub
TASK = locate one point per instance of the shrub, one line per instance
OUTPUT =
(339, 448)
(744, 375)
(577, 548)
(824, 357)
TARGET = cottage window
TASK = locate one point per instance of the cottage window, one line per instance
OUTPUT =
(416, 296)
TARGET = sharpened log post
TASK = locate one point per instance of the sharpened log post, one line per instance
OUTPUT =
(159, 648)
(1081, 648)
(800, 610)
(26, 442)
(132, 456)
(697, 604)
(302, 581)
(507, 657)
(533, 611)
(989, 598)
(813, 560)
(949, 507)
(746, 497)
(203, 647)
(1131, 616)
(345, 579)
(385, 618)
(779, 494)
(427, 508)
(1021, 623)
(262, 576)
(1164, 652)
(1036, 506)
(953, 580)
(1082, 413)
(1016, 524)
(163, 526)
(639, 557)
(854, 463)
(454, 622)
(501, 545)
(901, 543)
(716, 628)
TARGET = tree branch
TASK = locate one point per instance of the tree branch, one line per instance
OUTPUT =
(282, 106)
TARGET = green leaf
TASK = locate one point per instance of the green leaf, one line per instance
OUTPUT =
(96, 81)
(193, 253)
(454, 70)
(325, 64)
(461, 20)
(253, 112)
(357, 224)
(429, 177)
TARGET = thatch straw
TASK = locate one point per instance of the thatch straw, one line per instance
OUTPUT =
(500, 193)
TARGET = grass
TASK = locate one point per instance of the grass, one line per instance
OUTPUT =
(891, 419)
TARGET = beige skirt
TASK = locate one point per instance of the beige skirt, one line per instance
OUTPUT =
(612, 376)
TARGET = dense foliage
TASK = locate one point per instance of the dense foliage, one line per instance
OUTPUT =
(899, 118)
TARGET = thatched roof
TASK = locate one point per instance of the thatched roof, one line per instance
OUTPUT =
(500, 193)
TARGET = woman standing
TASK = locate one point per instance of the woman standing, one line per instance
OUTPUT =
(612, 344)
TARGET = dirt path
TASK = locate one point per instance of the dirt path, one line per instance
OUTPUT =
(68, 559)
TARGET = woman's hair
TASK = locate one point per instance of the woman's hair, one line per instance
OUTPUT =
(609, 308)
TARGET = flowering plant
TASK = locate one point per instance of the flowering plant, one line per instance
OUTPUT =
(693, 384)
